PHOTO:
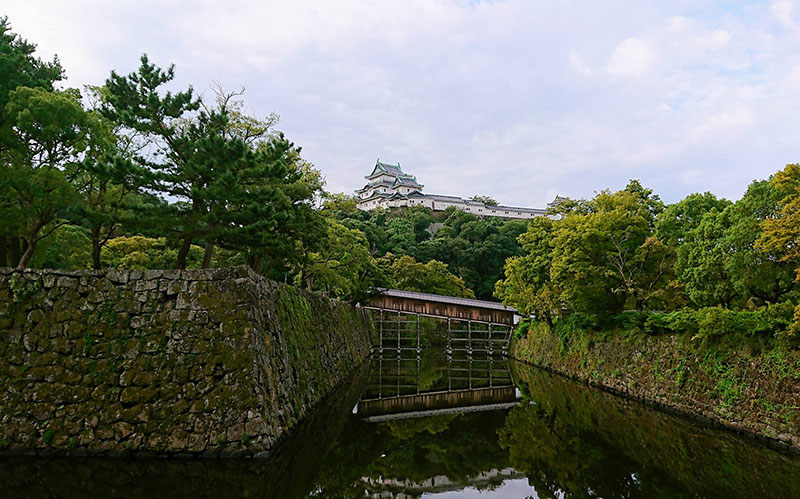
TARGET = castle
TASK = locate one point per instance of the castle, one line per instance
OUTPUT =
(388, 186)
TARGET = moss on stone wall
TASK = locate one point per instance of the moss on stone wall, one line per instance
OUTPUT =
(220, 362)
(749, 388)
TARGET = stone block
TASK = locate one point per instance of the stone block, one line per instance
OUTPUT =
(67, 282)
(48, 281)
(145, 285)
(173, 287)
(117, 276)
(150, 275)
(172, 274)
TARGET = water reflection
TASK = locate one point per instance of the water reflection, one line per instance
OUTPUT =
(430, 424)
(562, 439)
(435, 383)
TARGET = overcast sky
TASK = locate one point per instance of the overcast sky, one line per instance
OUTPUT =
(519, 100)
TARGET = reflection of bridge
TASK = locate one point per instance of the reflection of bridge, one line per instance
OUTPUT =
(401, 388)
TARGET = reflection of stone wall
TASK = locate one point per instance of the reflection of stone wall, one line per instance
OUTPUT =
(576, 441)
(200, 361)
(751, 390)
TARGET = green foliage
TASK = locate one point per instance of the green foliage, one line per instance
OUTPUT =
(624, 262)
(238, 185)
(599, 258)
(781, 231)
(22, 288)
(342, 267)
(609, 257)
(432, 277)
(487, 200)
(48, 130)
(48, 436)
(719, 261)
(676, 222)
(473, 248)
(527, 285)
(68, 247)
(138, 252)
(135, 159)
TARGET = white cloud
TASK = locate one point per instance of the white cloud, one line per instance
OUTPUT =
(632, 57)
(784, 11)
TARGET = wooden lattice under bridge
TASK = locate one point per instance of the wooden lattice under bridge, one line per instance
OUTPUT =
(472, 325)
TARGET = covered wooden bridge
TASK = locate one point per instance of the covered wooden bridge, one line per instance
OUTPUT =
(444, 307)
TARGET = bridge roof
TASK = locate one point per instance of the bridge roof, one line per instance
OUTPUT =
(469, 302)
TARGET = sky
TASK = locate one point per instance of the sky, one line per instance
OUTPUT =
(517, 100)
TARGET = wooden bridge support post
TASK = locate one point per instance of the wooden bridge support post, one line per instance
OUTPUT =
(469, 340)
(449, 341)
(491, 367)
(398, 338)
(380, 334)
(419, 346)
(380, 374)
(491, 350)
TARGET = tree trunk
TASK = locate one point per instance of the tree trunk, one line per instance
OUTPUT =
(26, 256)
(180, 262)
(3, 251)
(96, 248)
(256, 264)
(208, 254)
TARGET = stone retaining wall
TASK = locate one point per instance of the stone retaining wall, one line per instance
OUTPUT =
(748, 388)
(212, 362)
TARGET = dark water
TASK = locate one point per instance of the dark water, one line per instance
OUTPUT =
(430, 426)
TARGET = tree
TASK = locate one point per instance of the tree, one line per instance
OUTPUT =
(677, 220)
(488, 201)
(20, 68)
(781, 231)
(66, 248)
(647, 198)
(526, 285)
(701, 263)
(139, 252)
(432, 277)
(720, 263)
(340, 202)
(109, 182)
(49, 132)
(239, 185)
(342, 267)
(609, 255)
(163, 129)
(758, 273)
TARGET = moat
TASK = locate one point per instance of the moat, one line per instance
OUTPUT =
(438, 425)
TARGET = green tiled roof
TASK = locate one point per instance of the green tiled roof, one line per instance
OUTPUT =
(390, 169)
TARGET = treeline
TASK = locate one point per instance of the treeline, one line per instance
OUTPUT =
(136, 174)
(703, 266)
